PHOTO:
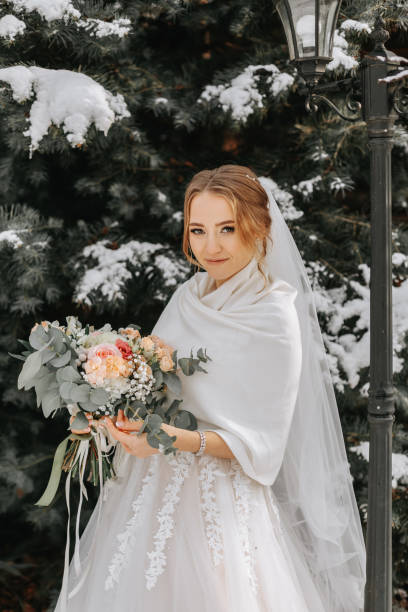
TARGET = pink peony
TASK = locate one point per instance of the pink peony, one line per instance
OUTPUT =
(103, 350)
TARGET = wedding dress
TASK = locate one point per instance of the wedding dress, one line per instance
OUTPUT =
(186, 533)
(251, 534)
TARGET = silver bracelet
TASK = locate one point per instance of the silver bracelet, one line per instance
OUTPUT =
(203, 442)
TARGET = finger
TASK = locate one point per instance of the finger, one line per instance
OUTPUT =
(115, 432)
(130, 425)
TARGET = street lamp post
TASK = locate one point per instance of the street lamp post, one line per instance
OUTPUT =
(309, 27)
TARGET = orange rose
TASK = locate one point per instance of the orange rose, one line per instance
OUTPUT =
(166, 363)
(147, 344)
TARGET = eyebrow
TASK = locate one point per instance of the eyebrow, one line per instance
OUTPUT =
(217, 224)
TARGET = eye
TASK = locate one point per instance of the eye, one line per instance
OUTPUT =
(227, 227)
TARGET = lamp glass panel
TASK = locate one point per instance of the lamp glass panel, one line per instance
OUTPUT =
(285, 18)
(304, 19)
(328, 12)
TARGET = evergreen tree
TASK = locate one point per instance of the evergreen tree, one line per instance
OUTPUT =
(107, 109)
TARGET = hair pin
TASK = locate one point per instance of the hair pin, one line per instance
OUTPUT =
(253, 178)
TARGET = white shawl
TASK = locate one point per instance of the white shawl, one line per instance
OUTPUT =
(249, 392)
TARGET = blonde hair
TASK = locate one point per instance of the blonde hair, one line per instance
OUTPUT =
(249, 201)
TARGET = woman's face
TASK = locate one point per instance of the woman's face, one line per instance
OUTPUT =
(214, 237)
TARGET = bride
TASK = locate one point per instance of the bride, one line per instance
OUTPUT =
(256, 511)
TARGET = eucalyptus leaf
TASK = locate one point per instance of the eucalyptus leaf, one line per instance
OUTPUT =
(57, 338)
(26, 344)
(47, 354)
(135, 411)
(185, 420)
(80, 421)
(50, 402)
(68, 374)
(17, 356)
(172, 381)
(152, 440)
(62, 360)
(173, 408)
(154, 422)
(30, 368)
(88, 406)
(187, 366)
(99, 396)
(81, 393)
(158, 374)
(38, 338)
(66, 390)
(43, 385)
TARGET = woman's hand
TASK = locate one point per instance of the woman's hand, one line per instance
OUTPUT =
(89, 416)
(125, 431)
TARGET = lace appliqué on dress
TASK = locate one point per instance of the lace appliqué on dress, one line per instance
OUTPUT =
(208, 470)
(244, 497)
(127, 538)
(181, 464)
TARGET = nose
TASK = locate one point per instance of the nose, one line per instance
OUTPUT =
(213, 246)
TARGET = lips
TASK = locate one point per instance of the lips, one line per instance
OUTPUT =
(216, 260)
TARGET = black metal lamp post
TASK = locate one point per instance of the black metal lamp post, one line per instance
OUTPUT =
(309, 27)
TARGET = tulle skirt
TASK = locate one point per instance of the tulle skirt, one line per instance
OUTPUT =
(183, 534)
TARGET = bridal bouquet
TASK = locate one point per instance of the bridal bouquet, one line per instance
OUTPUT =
(83, 370)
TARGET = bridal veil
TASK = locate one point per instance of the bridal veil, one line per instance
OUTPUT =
(314, 484)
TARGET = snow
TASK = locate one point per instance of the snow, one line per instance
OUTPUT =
(283, 198)
(340, 57)
(48, 9)
(242, 95)
(178, 216)
(400, 138)
(348, 346)
(66, 98)
(400, 259)
(394, 77)
(118, 27)
(307, 187)
(114, 267)
(11, 237)
(341, 184)
(356, 26)
(10, 26)
(399, 463)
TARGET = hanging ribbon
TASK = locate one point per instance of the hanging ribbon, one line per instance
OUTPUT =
(103, 447)
(55, 476)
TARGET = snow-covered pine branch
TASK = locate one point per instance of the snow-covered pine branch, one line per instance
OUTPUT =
(104, 272)
(63, 98)
(10, 27)
(48, 9)
(242, 95)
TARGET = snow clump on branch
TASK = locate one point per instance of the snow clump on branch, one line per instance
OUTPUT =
(48, 9)
(10, 26)
(66, 98)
